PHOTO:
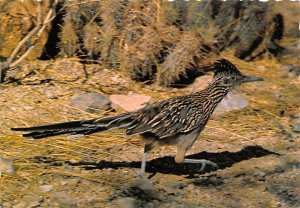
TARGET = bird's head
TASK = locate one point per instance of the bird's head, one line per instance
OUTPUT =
(228, 75)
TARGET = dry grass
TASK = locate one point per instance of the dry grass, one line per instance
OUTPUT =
(159, 41)
(135, 48)
(27, 105)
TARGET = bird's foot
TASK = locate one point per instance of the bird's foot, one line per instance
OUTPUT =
(203, 162)
(141, 175)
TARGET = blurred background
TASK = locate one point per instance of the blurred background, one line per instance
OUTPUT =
(150, 41)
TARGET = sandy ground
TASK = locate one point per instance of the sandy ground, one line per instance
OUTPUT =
(257, 151)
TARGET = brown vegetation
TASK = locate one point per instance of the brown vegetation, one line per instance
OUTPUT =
(159, 41)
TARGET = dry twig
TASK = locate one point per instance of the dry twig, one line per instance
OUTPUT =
(12, 60)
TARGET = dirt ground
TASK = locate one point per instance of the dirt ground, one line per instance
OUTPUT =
(256, 148)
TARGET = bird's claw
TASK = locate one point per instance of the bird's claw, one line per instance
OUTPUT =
(142, 175)
(208, 162)
(203, 163)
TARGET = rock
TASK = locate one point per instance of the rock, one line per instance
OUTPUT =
(28, 108)
(200, 83)
(129, 102)
(145, 187)
(170, 189)
(261, 68)
(177, 185)
(295, 70)
(260, 174)
(91, 102)
(29, 201)
(277, 95)
(51, 94)
(73, 182)
(190, 188)
(173, 188)
(46, 188)
(296, 127)
(6, 165)
(232, 101)
(127, 202)
(6, 205)
(286, 186)
(21, 204)
(63, 201)
(63, 183)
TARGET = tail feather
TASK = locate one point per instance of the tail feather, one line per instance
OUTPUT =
(56, 126)
(85, 127)
(48, 133)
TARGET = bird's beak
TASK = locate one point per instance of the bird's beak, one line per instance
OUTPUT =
(251, 79)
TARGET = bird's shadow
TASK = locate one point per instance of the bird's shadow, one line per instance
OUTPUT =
(167, 164)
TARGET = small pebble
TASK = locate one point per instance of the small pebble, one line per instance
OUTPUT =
(296, 127)
(260, 174)
(129, 102)
(73, 182)
(6, 205)
(146, 186)
(50, 94)
(6, 165)
(261, 68)
(277, 95)
(91, 102)
(127, 202)
(46, 188)
(27, 107)
(190, 187)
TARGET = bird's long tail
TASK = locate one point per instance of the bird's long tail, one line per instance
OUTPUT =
(76, 128)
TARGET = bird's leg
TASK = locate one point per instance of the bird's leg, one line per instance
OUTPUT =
(147, 148)
(202, 161)
(143, 165)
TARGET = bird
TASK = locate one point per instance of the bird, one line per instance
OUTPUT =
(176, 121)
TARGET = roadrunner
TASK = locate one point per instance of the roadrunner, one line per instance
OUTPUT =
(176, 121)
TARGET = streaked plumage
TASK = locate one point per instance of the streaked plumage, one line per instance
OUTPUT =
(178, 120)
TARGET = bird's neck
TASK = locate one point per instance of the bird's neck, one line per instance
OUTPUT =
(217, 91)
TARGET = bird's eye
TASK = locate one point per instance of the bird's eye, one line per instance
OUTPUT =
(227, 80)
(233, 78)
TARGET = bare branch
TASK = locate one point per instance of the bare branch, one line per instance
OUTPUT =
(38, 30)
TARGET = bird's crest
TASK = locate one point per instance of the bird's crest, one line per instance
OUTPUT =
(223, 65)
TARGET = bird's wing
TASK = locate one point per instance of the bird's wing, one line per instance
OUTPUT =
(168, 118)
